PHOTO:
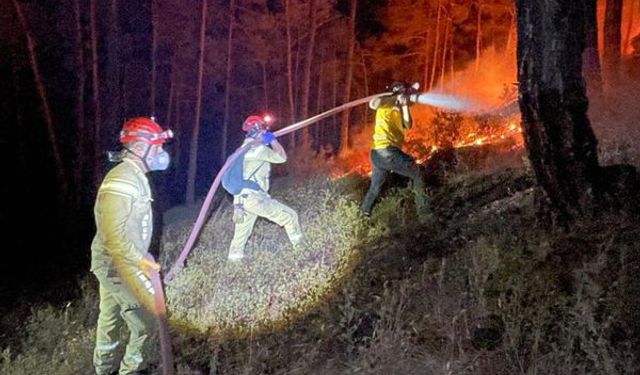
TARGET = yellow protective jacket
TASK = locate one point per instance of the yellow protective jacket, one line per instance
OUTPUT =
(388, 131)
(124, 220)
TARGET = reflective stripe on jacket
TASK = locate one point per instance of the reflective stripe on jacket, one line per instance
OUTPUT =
(124, 220)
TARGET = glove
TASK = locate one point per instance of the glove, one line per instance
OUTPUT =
(146, 265)
(403, 99)
(268, 137)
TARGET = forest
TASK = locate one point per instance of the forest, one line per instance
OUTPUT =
(528, 267)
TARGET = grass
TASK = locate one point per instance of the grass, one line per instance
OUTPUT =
(482, 291)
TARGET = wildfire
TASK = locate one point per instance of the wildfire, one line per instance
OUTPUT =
(356, 161)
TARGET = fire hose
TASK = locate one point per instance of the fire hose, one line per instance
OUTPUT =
(433, 99)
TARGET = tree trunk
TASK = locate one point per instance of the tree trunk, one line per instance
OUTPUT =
(306, 82)
(80, 125)
(113, 97)
(344, 128)
(435, 47)
(365, 74)
(612, 41)
(97, 127)
(195, 134)
(334, 95)
(591, 55)
(227, 83)
(445, 42)
(478, 34)
(55, 150)
(319, 129)
(427, 41)
(178, 128)
(451, 54)
(290, 94)
(170, 102)
(154, 50)
(627, 33)
(265, 89)
(558, 135)
(511, 31)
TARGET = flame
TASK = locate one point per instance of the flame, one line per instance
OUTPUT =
(489, 85)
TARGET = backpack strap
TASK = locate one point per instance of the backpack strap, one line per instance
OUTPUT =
(254, 172)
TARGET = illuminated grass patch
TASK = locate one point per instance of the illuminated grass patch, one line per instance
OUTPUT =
(275, 282)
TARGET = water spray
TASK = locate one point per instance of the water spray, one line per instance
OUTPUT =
(444, 101)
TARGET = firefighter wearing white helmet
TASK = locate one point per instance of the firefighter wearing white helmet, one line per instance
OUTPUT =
(251, 203)
(119, 250)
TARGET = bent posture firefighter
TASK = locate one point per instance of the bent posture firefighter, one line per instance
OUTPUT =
(393, 119)
(118, 252)
(251, 186)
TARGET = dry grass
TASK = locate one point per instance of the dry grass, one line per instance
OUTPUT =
(482, 292)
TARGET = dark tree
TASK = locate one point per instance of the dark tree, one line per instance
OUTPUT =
(559, 139)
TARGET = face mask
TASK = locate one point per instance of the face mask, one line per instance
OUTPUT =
(160, 162)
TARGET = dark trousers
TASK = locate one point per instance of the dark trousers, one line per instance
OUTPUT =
(392, 159)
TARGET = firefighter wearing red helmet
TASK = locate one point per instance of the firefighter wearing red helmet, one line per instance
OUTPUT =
(119, 252)
(253, 202)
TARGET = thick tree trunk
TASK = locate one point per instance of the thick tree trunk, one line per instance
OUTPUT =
(97, 115)
(55, 150)
(591, 56)
(559, 139)
(344, 126)
(612, 41)
(227, 83)
(195, 134)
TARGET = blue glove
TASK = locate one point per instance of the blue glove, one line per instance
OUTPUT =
(268, 137)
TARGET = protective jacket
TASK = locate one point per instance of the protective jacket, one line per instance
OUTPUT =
(123, 219)
(257, 165)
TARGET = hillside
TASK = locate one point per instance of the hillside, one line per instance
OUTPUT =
(484, 289)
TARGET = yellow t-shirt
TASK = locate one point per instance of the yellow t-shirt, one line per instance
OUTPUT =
(388, 131)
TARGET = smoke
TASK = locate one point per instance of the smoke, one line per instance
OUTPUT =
(489, 82)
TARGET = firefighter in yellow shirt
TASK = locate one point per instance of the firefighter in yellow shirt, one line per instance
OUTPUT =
(119, 249)
(393, 119)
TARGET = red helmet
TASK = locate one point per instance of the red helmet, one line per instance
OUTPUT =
(257, 122)
(144, 129)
